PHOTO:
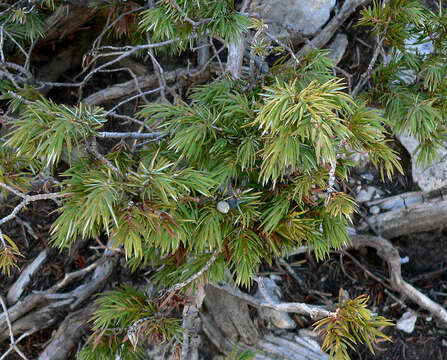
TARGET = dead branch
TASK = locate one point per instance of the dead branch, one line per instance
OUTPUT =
(129, 135)
(26, 200)
(192, 324)
(313, 311)
(122, 53)
(129, 87)
(16, 290)
(65, 20)
(68, 335)
(13, 343)
(198, 274)
(235, 56)
(390, 254)
(410, 213)
(39, 319)
(39, 309)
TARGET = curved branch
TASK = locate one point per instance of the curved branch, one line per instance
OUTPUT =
(314, 311)
(390, 254)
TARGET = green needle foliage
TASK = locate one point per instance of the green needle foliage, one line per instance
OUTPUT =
(239, 171)
(15, 170)
(47, 129)
(244, 169)
(352, 323)
(8, 254)
(121, 312)
(184, 19)
(411, 85)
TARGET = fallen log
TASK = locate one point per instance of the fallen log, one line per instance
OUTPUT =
(409, 213)
(66, 339)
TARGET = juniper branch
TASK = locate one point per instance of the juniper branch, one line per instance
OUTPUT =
(198, 274)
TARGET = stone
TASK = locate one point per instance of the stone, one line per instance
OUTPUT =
(367, 177)
(406, 322)
(338, 48)
(429, 178)
(368, 194)
(301, 16)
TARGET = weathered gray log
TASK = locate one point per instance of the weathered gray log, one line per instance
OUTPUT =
(68, 335)
(66, 19)
(296, 348)
(129, 87)
(16, 290)
(37, 320)
(412, 212)
(232, 315)
(43, 309)
(227, 323)
(269, 291)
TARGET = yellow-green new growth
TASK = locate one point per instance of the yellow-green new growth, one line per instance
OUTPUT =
(351, 324)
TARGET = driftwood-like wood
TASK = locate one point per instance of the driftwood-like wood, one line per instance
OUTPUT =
(287, 347)
(16, 290)
(70, 331)
(391, 255)
(41, 310)
(67, 19)
(232, 315)
(129, 87)
(410, 213)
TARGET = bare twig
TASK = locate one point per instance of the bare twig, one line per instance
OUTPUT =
(92, 148)
(109, 25)
(369, 273)
(292, 273)
(314, 311)
(390, 254)
(367, 74)
(130, 135)
(30, 198)
(11, 334)
(74, 275)
(159, 72)
(19, 97)
(133, 98)
(129, 87)
(122, 54)
(13, 190)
